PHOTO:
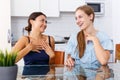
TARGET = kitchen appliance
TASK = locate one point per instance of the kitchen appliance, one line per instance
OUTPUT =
(99, 7)
(59, 39)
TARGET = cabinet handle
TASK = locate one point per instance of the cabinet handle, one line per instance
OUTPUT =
(9, 36)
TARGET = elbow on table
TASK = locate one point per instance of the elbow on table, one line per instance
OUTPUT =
(104, 63)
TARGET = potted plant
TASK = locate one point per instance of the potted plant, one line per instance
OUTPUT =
(8, 68)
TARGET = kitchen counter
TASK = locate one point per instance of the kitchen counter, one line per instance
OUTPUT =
(60, 47)
(60, 42)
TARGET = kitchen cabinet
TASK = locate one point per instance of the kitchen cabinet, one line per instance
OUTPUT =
(24, 7)
(5, 25)
(70, 5)
(50, 7)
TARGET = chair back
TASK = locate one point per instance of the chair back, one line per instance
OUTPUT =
(59, 57)
(117, 52)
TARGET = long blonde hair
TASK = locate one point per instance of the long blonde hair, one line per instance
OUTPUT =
(80, 36)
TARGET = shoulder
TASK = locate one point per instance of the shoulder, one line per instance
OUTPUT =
(52, 40)
(106, 41)
(49, 37)
(103, 36)
(73, 39)
(73, 36)
(23, 38)
(21, 43)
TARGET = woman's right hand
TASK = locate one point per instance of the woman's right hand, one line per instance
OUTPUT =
(34, 47)
(70, 61)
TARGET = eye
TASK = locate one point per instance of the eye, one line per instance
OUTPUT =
(43, 20)
(46, 22)
(75, 18)
(79, 16)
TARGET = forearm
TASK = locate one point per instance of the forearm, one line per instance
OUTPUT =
(101, 54)
(50, 52)
(49, 49)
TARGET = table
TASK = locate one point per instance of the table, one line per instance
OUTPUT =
(61, 72)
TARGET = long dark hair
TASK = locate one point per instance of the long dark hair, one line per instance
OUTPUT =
(32, 16)
(80, 36)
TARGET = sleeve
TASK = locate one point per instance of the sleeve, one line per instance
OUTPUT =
(108, 45)
(69, 48)
(71, 44)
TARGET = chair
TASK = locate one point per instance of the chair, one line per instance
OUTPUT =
(59, 57)
(117, 52)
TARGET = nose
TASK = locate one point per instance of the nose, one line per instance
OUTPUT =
(45, 23)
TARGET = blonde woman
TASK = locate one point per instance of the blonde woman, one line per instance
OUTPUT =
(89, 45)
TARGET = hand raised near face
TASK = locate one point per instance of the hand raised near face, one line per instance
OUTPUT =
(90, 37)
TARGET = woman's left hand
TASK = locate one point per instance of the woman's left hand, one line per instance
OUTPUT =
(90, 37)
(47, 48)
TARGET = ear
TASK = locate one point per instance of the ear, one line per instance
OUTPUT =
(91, 17)
(31, 21)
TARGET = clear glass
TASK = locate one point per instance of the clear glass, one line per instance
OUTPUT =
(61, 72)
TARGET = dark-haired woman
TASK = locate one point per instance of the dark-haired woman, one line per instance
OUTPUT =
(88, 46)
(36, 48)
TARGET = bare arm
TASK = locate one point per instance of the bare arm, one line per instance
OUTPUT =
(52, 68)
(52, 46)
(101, 54)
(21, 48)
(50, 50)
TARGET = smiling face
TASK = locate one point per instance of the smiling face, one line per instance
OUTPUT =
(82, 19)
(84, 16)
(39, 24)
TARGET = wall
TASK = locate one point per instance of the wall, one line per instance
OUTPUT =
(4, 24)
(116, 21)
